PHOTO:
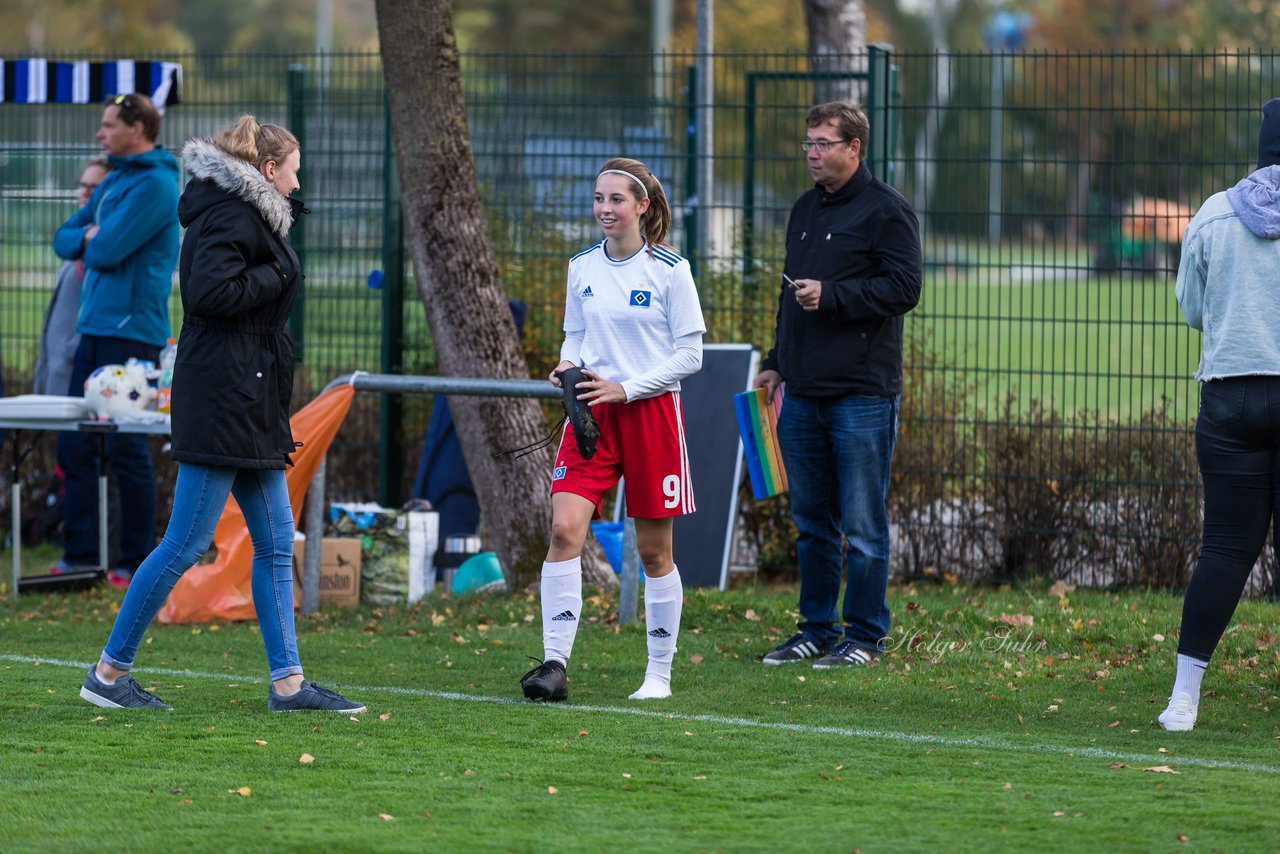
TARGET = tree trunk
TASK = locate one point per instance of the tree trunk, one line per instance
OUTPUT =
(460, 285)
(837, 42)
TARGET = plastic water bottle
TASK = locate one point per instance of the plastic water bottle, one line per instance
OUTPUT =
(164, 393)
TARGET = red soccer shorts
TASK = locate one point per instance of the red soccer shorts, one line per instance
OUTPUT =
(643, 443)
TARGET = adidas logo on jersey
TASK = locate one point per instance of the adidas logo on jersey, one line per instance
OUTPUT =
(564, 617)
(659, 633)
(587, 292)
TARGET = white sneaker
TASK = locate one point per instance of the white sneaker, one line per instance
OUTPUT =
(652, 689)
(1181, 714)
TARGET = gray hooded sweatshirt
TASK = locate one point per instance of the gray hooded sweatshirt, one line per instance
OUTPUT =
(1229, 278)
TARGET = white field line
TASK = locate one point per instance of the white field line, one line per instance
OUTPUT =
(720, 720)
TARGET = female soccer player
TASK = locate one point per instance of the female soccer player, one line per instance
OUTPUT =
(634, 324)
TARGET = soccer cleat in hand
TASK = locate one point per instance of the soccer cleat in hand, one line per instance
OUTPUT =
(585, 429)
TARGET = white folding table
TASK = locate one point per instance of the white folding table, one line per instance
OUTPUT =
(14, 418)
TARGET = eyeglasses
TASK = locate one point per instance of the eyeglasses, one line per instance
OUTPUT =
(823, 145)
(125, 102)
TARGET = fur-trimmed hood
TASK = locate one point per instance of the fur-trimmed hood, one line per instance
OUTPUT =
(205, 161)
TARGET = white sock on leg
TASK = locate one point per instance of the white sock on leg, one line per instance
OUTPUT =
(1184, 702)
(663, 600)
(1190, 672)
(561, 607)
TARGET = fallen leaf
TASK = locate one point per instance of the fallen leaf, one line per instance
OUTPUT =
(1008, 785)
(700, 777)
(1117, 766)
(98, 718)
(583, 732)
(1113, 724)
(1265, 642)
(1058, 813)
(1161, 769)
(1182, 837)
(750, 614)
(1061, 588)
(686, 732)
(243, 791)
(627, 776)
(306, 759)
(385, 716)
(176, 790)
(552, 790)
(1158, 638)
(259, 742)
(354, 718)
(469, 773)
(1018, 619)
(386, 816)
(695, 659)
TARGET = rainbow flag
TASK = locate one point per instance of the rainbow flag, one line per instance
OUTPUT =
(758, 426)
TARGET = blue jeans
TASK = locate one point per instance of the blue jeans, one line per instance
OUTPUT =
(837, 452)
(198, 500)
(1238, 449)
(129, 456)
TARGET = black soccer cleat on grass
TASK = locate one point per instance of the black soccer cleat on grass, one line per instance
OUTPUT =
(546, 682)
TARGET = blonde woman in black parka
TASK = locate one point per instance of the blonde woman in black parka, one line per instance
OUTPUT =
(231, 389)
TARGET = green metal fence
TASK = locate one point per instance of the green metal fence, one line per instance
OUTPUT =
(1046, 424)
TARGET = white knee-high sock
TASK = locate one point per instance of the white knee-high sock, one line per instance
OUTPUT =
(1190, 672)
(663, 600)
(561, 607)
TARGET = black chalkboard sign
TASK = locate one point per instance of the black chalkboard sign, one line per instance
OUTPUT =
(703, 539)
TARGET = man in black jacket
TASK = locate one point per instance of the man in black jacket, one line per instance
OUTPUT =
(853, 269)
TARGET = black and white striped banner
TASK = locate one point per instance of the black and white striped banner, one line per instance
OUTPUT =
(39, 81)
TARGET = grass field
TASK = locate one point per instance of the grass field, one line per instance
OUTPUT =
(984, 733)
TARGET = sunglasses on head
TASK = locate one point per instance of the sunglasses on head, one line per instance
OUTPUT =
(125, 102)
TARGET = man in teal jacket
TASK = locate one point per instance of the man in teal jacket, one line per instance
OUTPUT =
(127, 236)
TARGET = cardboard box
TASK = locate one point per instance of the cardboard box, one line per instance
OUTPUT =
(339, 570)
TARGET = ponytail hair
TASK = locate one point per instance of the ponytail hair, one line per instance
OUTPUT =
(655, 223)
(256, 144)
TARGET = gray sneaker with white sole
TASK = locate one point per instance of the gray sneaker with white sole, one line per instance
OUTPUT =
(124, 693)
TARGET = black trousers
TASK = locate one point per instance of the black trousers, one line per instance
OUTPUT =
(1238, 448)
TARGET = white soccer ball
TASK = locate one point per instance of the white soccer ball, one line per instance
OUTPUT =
(116, 389)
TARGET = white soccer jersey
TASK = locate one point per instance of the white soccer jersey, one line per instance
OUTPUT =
(630, 312)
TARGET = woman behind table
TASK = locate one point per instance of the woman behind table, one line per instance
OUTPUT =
(634, 324)
(1229, 288)
(231, 389)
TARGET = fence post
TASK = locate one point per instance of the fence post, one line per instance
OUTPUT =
(315, 542)
(629, 578)
(298, 98)
(879, 109)
(390, 456)
(749, 186)
(691, 173)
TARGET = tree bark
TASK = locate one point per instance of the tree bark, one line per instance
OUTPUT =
(837, 42)
(460, 285)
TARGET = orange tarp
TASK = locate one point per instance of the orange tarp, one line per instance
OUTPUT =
(220, 590)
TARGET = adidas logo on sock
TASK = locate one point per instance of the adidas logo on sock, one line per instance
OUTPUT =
(659, 633)
(564, 617)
